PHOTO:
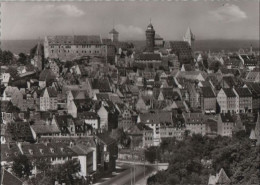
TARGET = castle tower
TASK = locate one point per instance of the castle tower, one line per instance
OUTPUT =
(150, 35)
(114, 35)
(190, 38)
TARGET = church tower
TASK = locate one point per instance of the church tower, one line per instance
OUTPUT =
(114, 35)
(38, 57)
(190, 38)
(150, 34)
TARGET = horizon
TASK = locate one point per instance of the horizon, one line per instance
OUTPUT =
(207, 20)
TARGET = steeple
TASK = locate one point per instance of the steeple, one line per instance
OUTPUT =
(38, 56)
(190, 38)
(251, 49)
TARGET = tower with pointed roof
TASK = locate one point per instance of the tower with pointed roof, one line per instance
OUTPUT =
(190, 38)
(150, 37)
(38, 57)
(114, 34)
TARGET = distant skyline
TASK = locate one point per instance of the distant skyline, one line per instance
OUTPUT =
(207, 20)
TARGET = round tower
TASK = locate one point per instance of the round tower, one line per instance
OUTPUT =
(150, 34)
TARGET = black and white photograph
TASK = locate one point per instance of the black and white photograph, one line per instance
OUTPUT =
(130, 92)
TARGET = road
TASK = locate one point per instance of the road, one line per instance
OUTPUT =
(123, 175)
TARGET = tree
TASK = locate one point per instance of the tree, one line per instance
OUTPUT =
(65, 172)
(43, 164)
(152, 154)
(13, 72)
(6, 57)
(23, 59)
(22, 166)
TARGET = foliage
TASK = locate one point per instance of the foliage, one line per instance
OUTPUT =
(23, 59)
(6, 57)
(43, 164)
(13, 72)
(22, 166)
(215, 65)
(152, 154)
(119, 135)
(235, 155)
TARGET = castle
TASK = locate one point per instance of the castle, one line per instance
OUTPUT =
(80, 46)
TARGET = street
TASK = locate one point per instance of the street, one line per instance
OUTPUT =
(123, 175)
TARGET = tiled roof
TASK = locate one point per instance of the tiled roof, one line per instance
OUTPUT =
(84, 105)
(148, 56)
(89, 115)
(9, 152)
(47, 75)
(252, 75)
(182, 49)
(226, 117)
(106, 139)
(254, 88)
(46, 150)
(207, 92)
(8, 178)
(74, 40)
(102, 85)
(81, 149)
(40, 127)
(229, 92)
(229, 80)
(52, 91)
(156, 117)
(102, 96)
(243, 92)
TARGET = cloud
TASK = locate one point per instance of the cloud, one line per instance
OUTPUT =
(58, 10)
(129, 32)
(228, 13)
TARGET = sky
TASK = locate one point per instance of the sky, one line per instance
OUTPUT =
(207, 20)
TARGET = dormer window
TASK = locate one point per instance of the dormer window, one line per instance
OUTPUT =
(52, 150)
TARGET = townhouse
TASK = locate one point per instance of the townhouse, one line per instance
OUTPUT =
(226, 99)
(243, 100)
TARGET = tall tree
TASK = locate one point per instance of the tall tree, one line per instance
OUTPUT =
(22, 166)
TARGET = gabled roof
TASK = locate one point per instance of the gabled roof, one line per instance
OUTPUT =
(106, 139)
(9, 151)
(47, 75)
(40, 127)
(243, 92)
(74, 40)
(156, 117)
(229, 92)
(46, 150)
(102, 85)
(207, 92)
(222, 177)
(148, 56)
(226, 118)
(8, 178)
(83, 105)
